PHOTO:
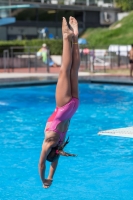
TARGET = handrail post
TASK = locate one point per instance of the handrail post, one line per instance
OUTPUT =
(12, 58)
(5, 57)
(29, 59)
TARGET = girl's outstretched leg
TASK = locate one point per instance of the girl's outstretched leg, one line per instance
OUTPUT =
(63, 89)
(75, 57)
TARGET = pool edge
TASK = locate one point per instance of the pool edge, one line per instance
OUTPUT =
(22, 82)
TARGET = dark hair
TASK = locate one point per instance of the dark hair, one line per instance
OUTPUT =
(57, 151)
(132, 45)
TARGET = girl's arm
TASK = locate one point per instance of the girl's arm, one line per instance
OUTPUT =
(45, 151)
(53, 167)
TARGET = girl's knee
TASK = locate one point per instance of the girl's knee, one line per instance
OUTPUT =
(74, 71)
(64, 70)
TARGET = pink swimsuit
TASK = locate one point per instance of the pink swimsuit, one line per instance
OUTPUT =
(61, 114)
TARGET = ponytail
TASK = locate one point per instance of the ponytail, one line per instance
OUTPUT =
(57, 151)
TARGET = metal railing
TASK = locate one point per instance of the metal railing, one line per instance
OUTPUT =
(19, 57)
(102, 59)
(92, 60)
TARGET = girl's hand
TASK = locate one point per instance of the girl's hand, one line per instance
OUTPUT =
(47, 183)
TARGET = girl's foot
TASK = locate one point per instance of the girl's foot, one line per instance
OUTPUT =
(47, 183)
(74, 26)
(66, 32)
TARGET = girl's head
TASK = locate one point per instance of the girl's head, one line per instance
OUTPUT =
(57, 151)
(53, 155)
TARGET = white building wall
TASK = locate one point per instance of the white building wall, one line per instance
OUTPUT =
(122, 15)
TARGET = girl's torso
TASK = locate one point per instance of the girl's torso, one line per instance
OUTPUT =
(62, 128)
(59, 121)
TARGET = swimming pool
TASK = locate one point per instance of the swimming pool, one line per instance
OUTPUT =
(104, 166)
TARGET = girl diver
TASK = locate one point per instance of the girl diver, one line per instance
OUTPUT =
(66, 100)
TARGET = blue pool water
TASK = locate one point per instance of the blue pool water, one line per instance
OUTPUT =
(103, 169)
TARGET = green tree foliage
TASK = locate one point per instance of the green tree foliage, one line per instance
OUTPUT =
(125, 5)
